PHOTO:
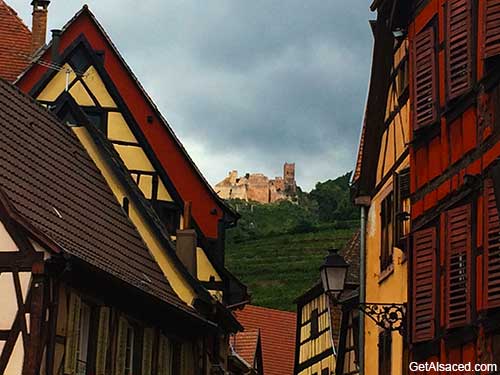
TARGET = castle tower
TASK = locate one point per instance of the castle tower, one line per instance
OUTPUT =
(289, 177)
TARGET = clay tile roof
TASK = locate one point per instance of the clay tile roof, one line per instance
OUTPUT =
(15, 43)
(51, 182)
(277, 331)
(359, 160)
(245, 344)
(350, 252)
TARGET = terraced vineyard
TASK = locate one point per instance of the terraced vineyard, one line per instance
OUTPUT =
(277, 269)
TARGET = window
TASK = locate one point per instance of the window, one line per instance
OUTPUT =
(384, 352)
(402, 207)
(424, 79)
(82, 333)
(458, 258)
(126, 348)
(424, 284)
(492, 246)
(79, 341)
(314, 324)
(459, 47)
(325, 371)
(387, 216)
(492, 28)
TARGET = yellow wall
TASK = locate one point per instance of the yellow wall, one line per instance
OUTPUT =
(320, 344)
(174, 276)
(390, 287)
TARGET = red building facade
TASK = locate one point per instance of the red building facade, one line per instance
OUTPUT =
(454, 278)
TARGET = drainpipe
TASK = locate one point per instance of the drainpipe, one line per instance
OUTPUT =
(362, 289)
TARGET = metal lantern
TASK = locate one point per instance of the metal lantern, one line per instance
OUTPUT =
(333, 273)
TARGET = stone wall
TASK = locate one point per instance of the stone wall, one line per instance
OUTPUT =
(257, 187)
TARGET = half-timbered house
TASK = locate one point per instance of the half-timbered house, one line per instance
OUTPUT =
(454, 151)
(89, 283)
(81, 60)
(381, 188)
(327, 328)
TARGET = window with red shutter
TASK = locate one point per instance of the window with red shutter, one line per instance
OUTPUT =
(492, 247)
(491, 28)
(458, 266)
(424, 79)
(424, 284)
(459, 47)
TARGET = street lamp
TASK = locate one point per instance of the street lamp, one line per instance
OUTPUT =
(333, 273)
(391, 316)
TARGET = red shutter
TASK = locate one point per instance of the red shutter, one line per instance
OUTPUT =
(459, 47)
(424, 284)
(458, 266)
(424, 79)
(492, 248)
(492, 28)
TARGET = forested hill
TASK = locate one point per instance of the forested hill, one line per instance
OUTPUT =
(277, 248)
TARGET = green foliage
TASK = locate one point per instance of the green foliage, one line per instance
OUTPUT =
(276, 249)
(333, 199)
(278, 269)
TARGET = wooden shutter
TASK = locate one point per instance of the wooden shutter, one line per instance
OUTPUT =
(385, 352)
(72, 334)
(424, 79)
(424, 284)
(458, 266)
(164, 356)
(102, 341)
(147, 351)
(121, 347)
(401, 188)
(459, 47)
(491, 28)
(491, 247)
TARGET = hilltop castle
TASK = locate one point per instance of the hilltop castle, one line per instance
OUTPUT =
(257, 187)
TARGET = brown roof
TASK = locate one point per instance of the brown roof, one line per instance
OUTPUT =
(51, 181)
(245, 344)
(15, 43)
(277, 330)
(350, 252)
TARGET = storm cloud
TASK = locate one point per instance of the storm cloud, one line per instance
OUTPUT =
(247, 85)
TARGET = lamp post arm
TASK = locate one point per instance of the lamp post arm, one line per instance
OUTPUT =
(391, 316)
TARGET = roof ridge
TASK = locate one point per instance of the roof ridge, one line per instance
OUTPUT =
(271, 309)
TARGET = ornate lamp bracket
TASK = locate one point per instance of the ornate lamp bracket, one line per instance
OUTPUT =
(391, 316)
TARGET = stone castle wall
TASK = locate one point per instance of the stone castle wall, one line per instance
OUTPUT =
(257, 187)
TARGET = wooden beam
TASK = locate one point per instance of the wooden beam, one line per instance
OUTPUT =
(18, 260)
(37, 318)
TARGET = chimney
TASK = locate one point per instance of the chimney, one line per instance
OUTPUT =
(56, 38)
(39, 26)
(185, 247)
(185, 243)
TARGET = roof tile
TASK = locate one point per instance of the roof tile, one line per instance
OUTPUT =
(277, 330)
(51, 181)
(15, 43)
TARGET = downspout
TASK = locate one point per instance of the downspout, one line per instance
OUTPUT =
(362, 290)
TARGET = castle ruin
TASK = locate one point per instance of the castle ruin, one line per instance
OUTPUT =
(258, 188)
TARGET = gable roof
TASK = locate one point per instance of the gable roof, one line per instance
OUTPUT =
(15, 43)
(277, 330)
(51, 182)
(245, 344)
(207, 208)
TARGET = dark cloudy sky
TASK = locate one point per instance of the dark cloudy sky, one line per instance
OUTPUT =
(246, 84)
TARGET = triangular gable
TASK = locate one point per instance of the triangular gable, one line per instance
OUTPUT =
(186, 182)
(54, 185)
